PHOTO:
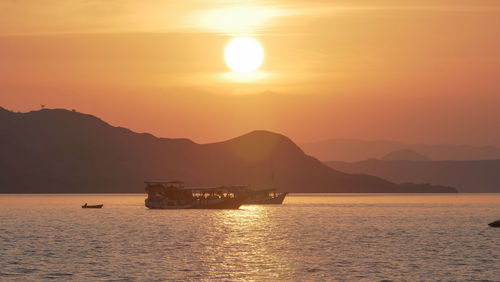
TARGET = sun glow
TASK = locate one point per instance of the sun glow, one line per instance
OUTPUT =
(243, 55)
(237, 20)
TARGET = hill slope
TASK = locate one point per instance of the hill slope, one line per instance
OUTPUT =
(466, 176)
(59, 151)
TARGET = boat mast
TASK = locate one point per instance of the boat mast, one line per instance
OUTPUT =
(272, 172)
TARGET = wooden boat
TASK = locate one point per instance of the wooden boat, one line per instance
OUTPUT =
(266, 197)
(495, 223)
(92, 206)
(173, 195)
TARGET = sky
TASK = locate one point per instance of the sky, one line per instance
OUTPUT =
(413, 71)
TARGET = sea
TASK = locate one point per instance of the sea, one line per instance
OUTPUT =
(310, 237)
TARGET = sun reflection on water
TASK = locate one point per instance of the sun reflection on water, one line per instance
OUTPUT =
(250, 234)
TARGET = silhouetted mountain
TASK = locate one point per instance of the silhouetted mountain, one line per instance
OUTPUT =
(466, 176)
(60, 151)
(405, 155)
(351, 150)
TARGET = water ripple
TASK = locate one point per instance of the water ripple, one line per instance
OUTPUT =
(381, 238)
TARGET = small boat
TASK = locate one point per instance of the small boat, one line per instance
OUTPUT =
(495, 223)
(92, 206)
(173, 195)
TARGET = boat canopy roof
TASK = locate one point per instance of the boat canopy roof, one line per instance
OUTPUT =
(163, 182)
(214, 188)
(158, 185)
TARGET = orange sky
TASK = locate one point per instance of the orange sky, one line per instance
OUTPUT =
(416, 71)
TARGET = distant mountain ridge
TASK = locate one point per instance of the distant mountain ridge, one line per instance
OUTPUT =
(405, 155)
(61, 151)
(352, 150)
(481, 176)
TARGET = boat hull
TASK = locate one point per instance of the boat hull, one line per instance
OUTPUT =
(196, 204)
(495, 224)
(92, 207)
(264, 200)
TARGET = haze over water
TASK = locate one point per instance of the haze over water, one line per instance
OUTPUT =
(309, 237)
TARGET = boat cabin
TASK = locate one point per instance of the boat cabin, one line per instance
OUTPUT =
(173, 194)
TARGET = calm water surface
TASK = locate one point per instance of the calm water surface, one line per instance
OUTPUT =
(309, 237)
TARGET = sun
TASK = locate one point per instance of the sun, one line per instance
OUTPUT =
(244, 55)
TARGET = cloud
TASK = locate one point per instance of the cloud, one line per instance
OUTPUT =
(226, 17)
